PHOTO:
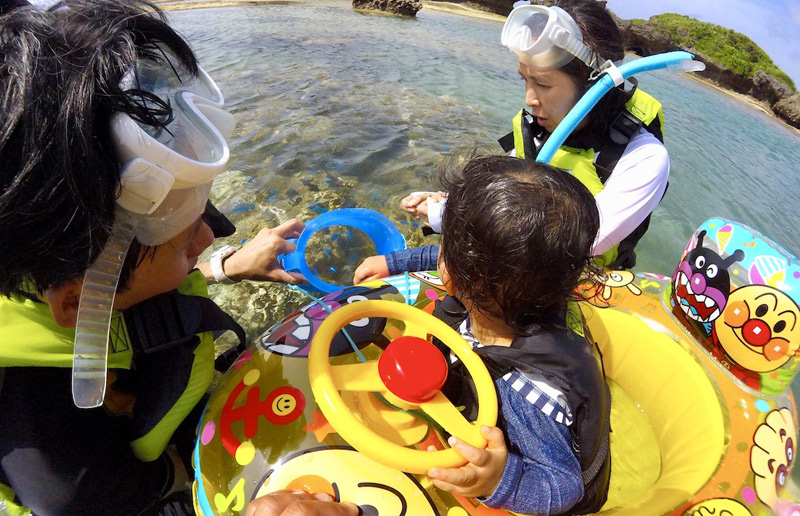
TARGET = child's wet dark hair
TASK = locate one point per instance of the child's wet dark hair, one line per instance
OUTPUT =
(517, 238)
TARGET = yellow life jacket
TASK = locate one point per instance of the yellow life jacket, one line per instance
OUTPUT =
(30, 338)
(642, 110)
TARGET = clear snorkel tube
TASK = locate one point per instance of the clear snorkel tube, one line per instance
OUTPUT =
(90, 357)
(165, 180)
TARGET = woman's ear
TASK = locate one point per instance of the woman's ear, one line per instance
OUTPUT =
(63, 301)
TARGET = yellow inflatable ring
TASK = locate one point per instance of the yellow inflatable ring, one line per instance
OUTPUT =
(699, 365)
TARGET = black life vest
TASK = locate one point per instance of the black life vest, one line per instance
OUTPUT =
(568, 362)
(641, 110)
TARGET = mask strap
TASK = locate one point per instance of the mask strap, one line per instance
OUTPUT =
(90, 357)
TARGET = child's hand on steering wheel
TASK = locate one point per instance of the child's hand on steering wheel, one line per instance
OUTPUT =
(483, 471)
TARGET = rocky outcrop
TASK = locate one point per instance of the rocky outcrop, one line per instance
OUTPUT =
(645, 38)
(723, 76)
(788, 109)
(768, 88)
(400, 7)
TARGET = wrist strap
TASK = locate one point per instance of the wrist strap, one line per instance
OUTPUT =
(217, 269)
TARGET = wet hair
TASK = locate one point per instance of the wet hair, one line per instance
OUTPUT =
(602, 36)
(517, 239)
(59, 85)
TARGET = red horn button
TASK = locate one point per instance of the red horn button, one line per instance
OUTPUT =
(412, 369)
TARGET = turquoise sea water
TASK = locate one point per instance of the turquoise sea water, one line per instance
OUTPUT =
(338, 108)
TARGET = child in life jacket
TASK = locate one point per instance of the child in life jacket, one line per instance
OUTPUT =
(517, 239)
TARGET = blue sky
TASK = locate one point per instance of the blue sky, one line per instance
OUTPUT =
(773, 24)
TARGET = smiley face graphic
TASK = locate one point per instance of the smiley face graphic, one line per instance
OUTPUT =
(759, 328)
(772, 454)
(717, 507)
(284, 404)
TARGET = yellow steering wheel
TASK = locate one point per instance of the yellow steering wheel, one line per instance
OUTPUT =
(411, 372)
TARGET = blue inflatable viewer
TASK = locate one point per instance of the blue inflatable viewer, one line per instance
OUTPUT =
(378, 228)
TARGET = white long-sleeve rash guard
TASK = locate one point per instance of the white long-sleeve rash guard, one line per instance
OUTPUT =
(633, 191)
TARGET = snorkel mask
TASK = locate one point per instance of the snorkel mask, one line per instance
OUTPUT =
(545, 38)
(166, 174)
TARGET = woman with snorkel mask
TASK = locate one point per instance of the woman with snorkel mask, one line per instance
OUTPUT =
(617, 151)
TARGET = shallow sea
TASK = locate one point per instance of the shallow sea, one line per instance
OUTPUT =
(337, 108)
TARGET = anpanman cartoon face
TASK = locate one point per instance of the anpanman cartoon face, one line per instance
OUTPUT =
(759, 328)
(772, 454)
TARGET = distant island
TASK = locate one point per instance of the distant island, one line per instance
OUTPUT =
(733, 61)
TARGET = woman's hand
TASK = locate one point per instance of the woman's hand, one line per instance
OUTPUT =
(298, 503)
(374, 267)
(258, 258)
(416, 203)
(483, 471)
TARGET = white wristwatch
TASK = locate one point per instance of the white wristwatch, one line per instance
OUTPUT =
(217, 257)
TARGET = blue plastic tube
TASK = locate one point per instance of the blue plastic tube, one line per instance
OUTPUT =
(677, 59)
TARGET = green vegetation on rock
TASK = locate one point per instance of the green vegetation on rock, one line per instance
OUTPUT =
(725, 46)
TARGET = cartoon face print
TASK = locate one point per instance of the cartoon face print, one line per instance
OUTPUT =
(760, 328)
(280, 406)
(772, 454)
(431, 278)
(717, 507)
(618, 279)
(701, 282)
(293, 336)
(345, 474)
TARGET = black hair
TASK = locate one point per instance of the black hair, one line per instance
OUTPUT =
(602, 36)
(517, 239)
(59, 85)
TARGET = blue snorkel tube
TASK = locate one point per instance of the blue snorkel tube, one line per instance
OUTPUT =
(679, 61)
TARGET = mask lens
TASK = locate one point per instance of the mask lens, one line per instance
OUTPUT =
(189, 134)
(536, 22)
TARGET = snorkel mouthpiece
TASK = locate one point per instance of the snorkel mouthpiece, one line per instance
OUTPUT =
(165, 178)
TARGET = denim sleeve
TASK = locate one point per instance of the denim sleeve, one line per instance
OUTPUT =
(412, 260)
(542, 474)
